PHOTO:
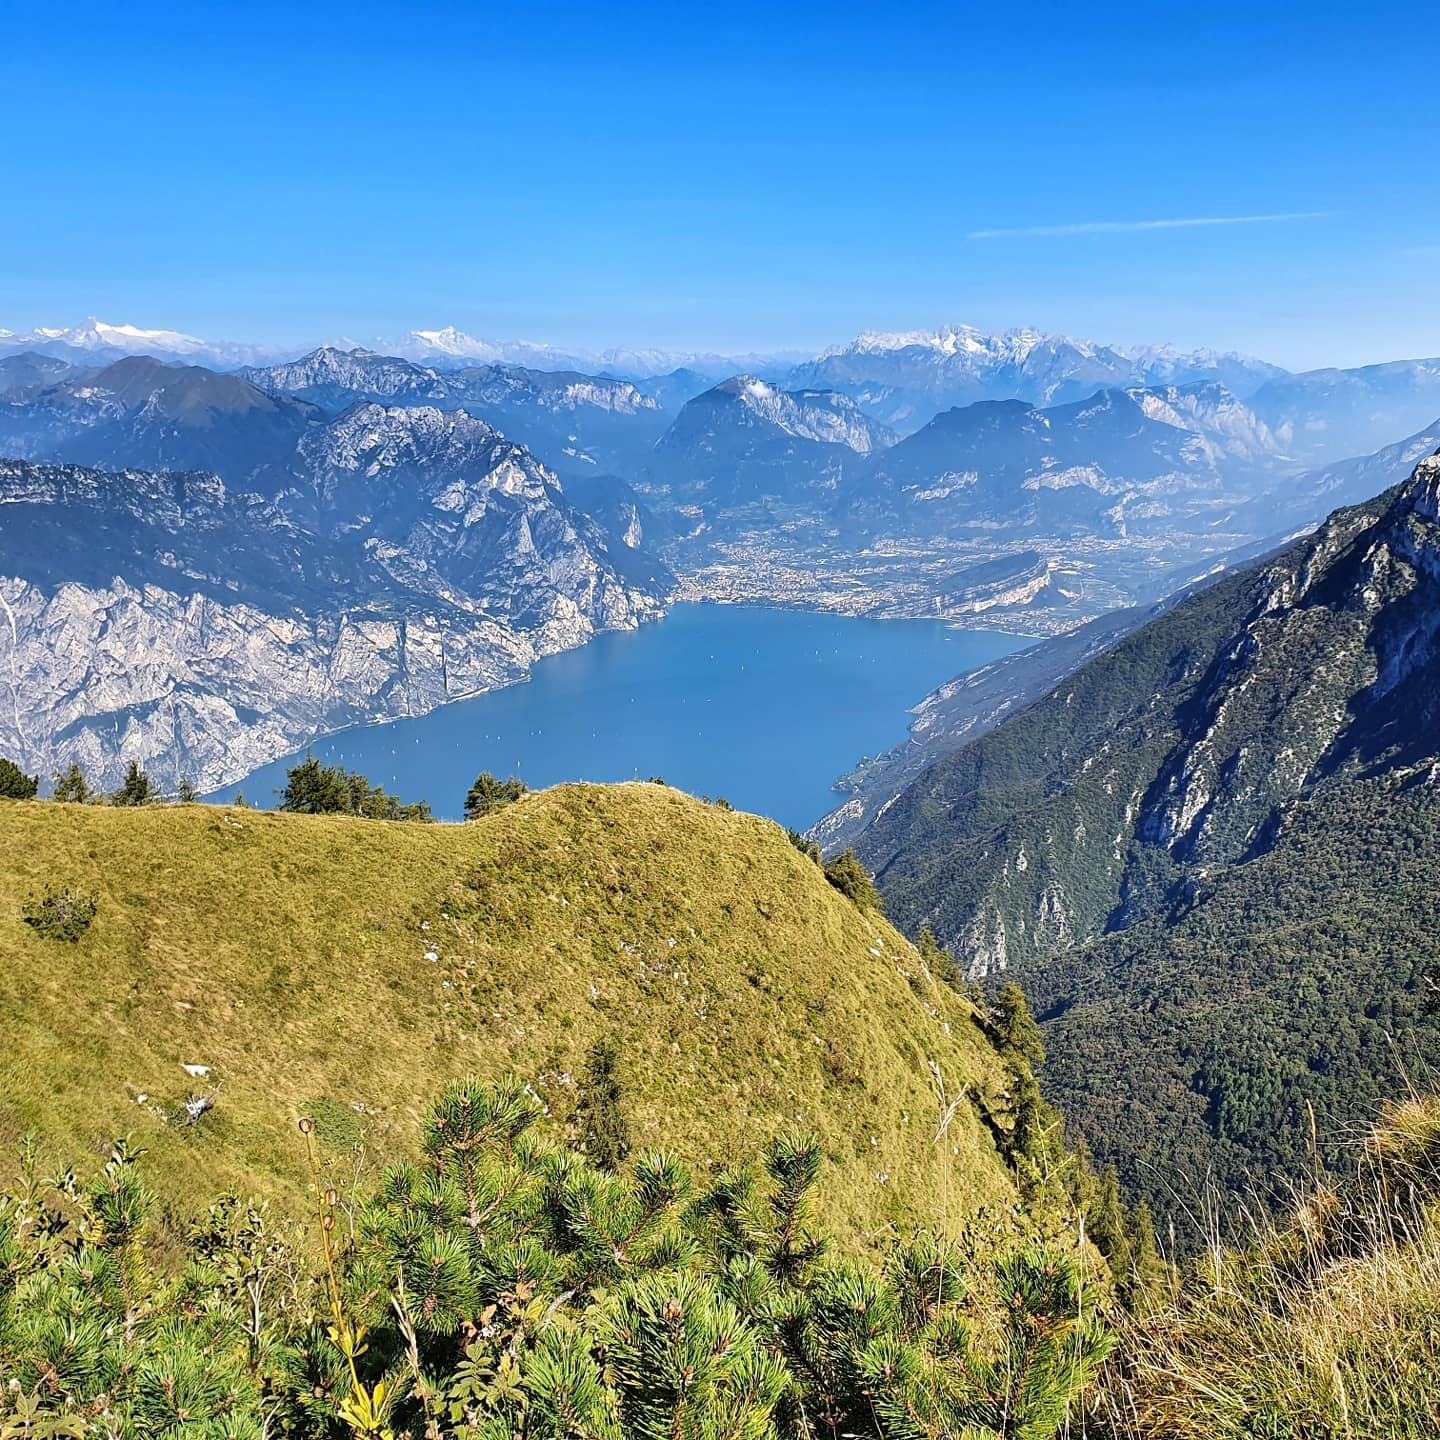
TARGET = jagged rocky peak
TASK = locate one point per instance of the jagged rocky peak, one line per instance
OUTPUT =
(370, 434)
(420, 450)
(356, 369)
(906, 377)
(1423, 489)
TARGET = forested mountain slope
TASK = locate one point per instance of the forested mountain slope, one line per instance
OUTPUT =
(1210, 847)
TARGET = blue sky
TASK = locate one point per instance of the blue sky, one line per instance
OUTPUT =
(727, 176)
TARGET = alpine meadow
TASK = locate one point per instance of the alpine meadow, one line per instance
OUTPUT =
(840, 844)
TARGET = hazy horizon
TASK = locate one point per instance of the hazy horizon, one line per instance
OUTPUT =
(745, 179)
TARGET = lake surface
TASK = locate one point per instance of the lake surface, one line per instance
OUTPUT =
(765, 707)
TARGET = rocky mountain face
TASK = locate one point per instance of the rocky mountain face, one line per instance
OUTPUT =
(1135, 847)
(411, 556)
(1119, 462)
(747, 442)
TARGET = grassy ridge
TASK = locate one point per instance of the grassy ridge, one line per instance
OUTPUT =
(351, 968)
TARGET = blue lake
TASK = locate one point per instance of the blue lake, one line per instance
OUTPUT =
(765, 707)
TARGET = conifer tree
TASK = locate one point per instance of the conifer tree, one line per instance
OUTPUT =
(71, 785)
(852, 879)
(489, 794)
(1150, 1275)
(1017, 1036)
(940, 963)
(600, 1119)
(1109, 1227)
(135, 789)
(315, 789)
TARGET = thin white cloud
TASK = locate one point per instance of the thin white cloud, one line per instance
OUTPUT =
(1117, 227)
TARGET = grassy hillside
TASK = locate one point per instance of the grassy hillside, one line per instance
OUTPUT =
(349, 969)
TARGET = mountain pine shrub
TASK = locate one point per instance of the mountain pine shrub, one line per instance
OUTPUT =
(63, 915)
(506, 1286)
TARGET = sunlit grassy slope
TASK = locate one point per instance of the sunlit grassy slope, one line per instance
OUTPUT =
(349, 968)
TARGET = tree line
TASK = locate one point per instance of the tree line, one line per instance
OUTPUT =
(311, 788)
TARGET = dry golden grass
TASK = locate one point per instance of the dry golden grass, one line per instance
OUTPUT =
(351, 968)
(1329, 1328)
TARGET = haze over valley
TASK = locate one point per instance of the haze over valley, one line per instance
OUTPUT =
(360, 536)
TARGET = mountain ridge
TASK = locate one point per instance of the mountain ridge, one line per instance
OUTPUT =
(202, 632)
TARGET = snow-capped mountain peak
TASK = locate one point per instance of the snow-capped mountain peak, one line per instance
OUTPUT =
(98, 340)
(93, 334)
(954, 340)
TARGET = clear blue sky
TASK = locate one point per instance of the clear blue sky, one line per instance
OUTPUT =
(727, 176)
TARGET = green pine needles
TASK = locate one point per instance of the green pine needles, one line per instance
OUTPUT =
(315, 789)
(508, 1286)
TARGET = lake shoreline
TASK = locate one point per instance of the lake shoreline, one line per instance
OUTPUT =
(712, 690)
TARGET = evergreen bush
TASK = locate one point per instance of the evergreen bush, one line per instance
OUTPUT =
(63, 915)
(505, 1286)
(15, 784)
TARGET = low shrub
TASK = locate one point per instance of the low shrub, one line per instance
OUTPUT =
(59, 914)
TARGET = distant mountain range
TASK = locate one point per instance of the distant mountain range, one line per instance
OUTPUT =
(907, 377)
(451, 347)
(902, 379)
(1004, 511)
(1322, 416)
(580, 424)
(1034, 515)
(147, 413)
(95, 341)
